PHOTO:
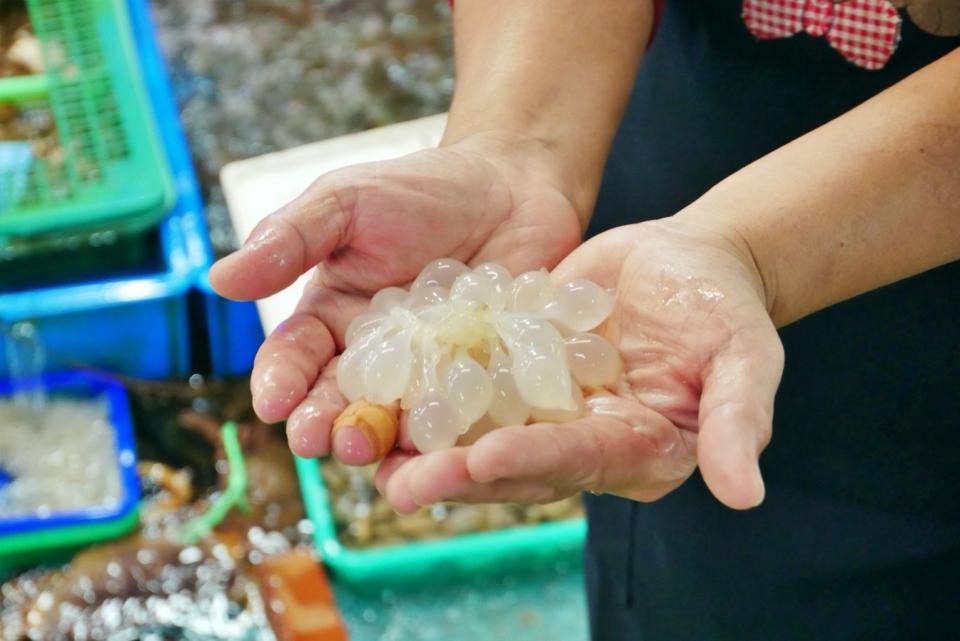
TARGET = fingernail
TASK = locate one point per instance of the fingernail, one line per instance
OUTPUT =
(351, 446)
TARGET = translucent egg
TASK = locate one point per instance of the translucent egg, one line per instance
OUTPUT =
(360, 325)
(478, 288)
(531, 292)
(440, 273)
(507, 407)
(423, 377)
(469, 389)
(352, 364)
(433, 423)
(542, 415)
(386, 299)
(387, 369)
(593, 360)
(402, 318)
(350, 372)
(501, 280)
(580, 305)
(528, 333)
(430, 315)
(421, 296)
(543, 381)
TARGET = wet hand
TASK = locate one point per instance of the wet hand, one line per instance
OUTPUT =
(702, 364)
(367, 227)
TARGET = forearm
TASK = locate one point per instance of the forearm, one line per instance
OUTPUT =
(869, 198)
(554, 73)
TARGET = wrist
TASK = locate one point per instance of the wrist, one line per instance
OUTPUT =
(705, 220)
(533, 153)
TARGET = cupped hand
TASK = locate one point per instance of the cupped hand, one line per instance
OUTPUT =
(370, 226)
(702, 362)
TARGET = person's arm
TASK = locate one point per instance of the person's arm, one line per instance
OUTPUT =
(555, 73)
(540, 90)
(870, 198)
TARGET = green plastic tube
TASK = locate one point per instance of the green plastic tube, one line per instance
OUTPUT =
(23, 88)
(235, 494)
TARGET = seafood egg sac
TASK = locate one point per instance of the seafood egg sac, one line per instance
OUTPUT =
(465, 346)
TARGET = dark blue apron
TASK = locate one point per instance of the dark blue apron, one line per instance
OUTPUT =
(859, 536)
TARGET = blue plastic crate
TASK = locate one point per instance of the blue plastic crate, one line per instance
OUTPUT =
(133, 326)
(137, 326)
(31, 539)
(234, 328)
(234, 331)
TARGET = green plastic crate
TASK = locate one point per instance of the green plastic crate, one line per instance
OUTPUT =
(110, 171)
(434, 560)
(50, 547)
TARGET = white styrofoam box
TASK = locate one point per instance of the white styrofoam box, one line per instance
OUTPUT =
(258, 186)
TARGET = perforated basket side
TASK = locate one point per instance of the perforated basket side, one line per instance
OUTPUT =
(103, 163)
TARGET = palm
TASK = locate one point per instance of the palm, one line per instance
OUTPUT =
(701, 364)
(443, 203)
(372, 226)
(676, 308)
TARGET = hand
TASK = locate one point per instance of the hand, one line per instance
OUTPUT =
(484, 198)
(702, 362)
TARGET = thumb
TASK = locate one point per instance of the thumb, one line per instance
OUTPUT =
(288, 242)
(736, 416)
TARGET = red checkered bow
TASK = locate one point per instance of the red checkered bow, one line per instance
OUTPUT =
(865, 32)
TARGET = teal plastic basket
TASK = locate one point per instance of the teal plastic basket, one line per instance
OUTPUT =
(108, 170)
(520, 547)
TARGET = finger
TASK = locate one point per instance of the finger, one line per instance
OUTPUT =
(621, 445)
(356, 445)
(336, 309)
(578, 264)
(287, 364)
(291, 358)
(288, 242)
(395, 488)
(388, 466)
(442, 476)
(736, 416)
(308, 427)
